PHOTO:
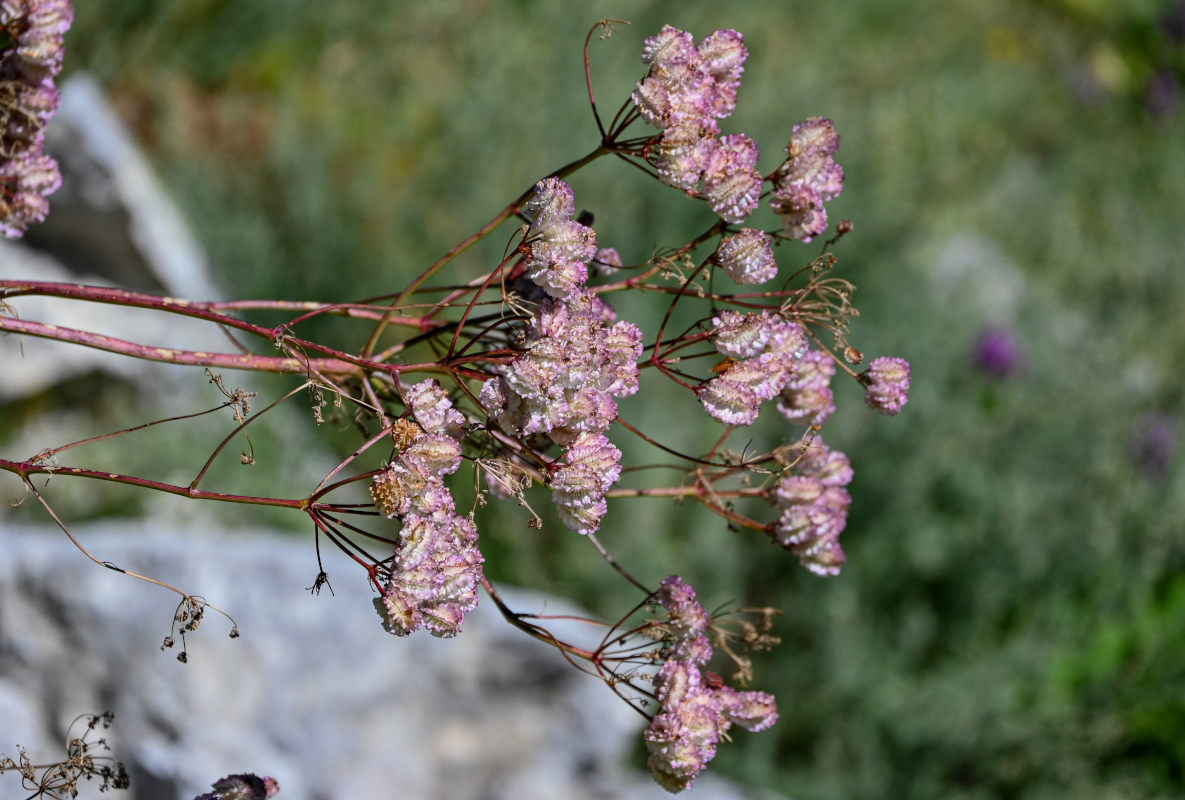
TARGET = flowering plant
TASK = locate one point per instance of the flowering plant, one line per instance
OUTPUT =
(512, 372)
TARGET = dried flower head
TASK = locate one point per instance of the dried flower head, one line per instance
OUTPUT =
(807, 179)
(887, 382)
(748, 257)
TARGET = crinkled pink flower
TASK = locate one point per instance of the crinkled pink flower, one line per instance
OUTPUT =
(731, 402)
(578, 486)
(732, 184)
(28, 99)
(576, 361)
(686, 618)
(887, 381)
(814, 503)
(740, 335)
(807, 397)
(607, 261)
(807, 179)
(558, 247)
(748, 257)
(685, 151)
(432, 409)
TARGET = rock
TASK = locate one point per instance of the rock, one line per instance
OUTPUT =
(313, 693)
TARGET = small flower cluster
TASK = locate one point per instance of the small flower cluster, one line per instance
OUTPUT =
(696, 708)
(808, 398)
(807, 178)
(747, 257)
(763, 354)
(592, 465)
(242, 787)
(559, 246)
(28, 99)
(578, 357)
(437, 566)
(887, 382)
(687, 89)
(814, 503)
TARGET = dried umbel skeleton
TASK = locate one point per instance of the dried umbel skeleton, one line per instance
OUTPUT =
(510, 377)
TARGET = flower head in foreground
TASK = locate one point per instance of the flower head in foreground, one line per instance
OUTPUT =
(242, 787)
(695, 710)
(814, 502)
(28, 99)
(687, 89)
(577, 358)
(807, 398)
(437, 566)
(887, 382)
(807, 179)
(578, 487)
(747, 257)
(776, 348)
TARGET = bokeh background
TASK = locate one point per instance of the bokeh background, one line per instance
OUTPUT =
(1011, 621)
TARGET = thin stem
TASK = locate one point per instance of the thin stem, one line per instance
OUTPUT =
(606, 26)
(605, 554)
(53, 451)
(510, 209)
(167, 355)
(238, 429)
(26, 468)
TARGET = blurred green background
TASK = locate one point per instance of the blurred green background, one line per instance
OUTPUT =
(1011, 621)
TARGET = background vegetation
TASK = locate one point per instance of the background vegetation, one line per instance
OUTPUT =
(1011, 622)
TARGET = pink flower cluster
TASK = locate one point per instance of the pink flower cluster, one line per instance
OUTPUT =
(560, 247)
(590, 466)
(578, 357)
(28, 99)
(764, 352)
(807, 178)
(748, 257)
(887, 382)
(436, 566)
(696, 708)
(808, 398)
(814, 503)
(687, 89)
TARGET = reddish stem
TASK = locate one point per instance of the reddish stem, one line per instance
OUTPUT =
(26, 468)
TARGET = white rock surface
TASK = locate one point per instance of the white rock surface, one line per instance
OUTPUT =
(314, 693)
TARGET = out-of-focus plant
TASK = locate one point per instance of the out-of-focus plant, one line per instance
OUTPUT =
(513, 371)
(60, 779)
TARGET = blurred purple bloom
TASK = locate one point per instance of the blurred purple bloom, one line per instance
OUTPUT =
(1154, 443)
(1163, 96)
(997, 352)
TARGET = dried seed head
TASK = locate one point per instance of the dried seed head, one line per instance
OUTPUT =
(404, 432)
(389, 492)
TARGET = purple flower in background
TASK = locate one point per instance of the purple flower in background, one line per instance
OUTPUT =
(1163, 96)
(997, 352)
(1153, 445)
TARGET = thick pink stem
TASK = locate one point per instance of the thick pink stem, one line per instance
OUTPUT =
(186, 357)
